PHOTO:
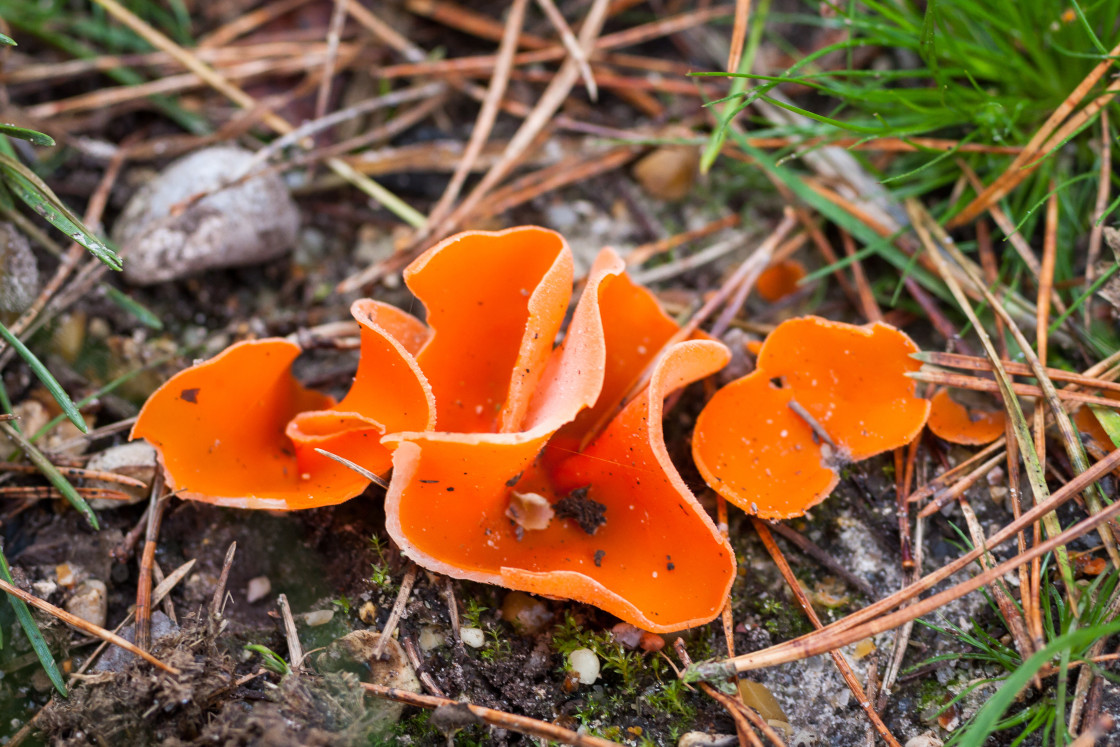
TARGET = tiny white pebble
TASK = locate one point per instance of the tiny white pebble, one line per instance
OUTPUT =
(473, 637)
(318, 617)
(430, 638)
(655, 574)
(585, 664)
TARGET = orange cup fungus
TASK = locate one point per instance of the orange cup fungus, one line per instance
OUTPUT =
(951, 421)
(824, 394)
(515, 461)
(780, 280)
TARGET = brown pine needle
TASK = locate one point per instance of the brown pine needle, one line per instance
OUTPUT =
(85, 627)
(846, 672)
(973, 363)
(501, 719)
(871, 620)
(962, 381)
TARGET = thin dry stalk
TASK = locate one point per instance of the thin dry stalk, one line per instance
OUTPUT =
(1097, 231)
(962, 381)
(738, 713)
(217, 602)
(334, 34)
(739, 35)
(77, 472)
(1042, 308)
(871, 620)
(395, 614)
(972, 363)
(867, 303)
(487, 115)
(865, 702)
(553, 96)
(243, 24)
(244, 100)
(814, 551)
(156, 504)
(501, 719)
(84, 626)
(1016, 625)
(947, 496)
(291, 635)
(571, 43)
(646, 252)
(923, 226)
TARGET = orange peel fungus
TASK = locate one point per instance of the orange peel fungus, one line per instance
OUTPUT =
(951, 421)
(498, 474)
(824, 394)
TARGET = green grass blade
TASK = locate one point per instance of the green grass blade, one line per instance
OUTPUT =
(989, 716)
(1110, 421)
(39, 197)
(45, 376)
(51, 473)
(31, 630)
(132, 306)
(32, 136)
(5, 39)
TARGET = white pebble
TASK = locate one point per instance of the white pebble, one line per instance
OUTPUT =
(585, 664)
(257, 589)
(473, 637)
(90, 602)
(431, 637)
(318, 617)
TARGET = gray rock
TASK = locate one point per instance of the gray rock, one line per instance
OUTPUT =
(19, 273)
(354, 652)
(136, 459)
(244, 224)
(116, 659)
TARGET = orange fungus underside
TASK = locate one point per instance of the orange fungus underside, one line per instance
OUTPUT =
(951, 421)
(753, 442)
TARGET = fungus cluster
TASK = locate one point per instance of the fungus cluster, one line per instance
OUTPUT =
(514, 461)
(539, 466)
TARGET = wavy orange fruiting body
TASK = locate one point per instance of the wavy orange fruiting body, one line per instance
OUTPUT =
(512, 410)
(780, 280)
(755, 449)
(951, 421)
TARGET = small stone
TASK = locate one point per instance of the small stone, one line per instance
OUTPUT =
(19, 272)
(90, 601)
(164, 235)
(527, 614)
(135, 459)
(318, 617)
(473, 637)
(668, 172)
(585, 664)
(257, 589)
(367, 613)
(116, 659)
(431, 638)
(924, 740)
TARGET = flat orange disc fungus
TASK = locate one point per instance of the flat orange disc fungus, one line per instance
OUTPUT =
(780, 280)
(539, 477)
(953, 422)
(824, 394)
(1087, 423)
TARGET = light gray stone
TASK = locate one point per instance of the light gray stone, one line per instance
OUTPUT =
(234, 224)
